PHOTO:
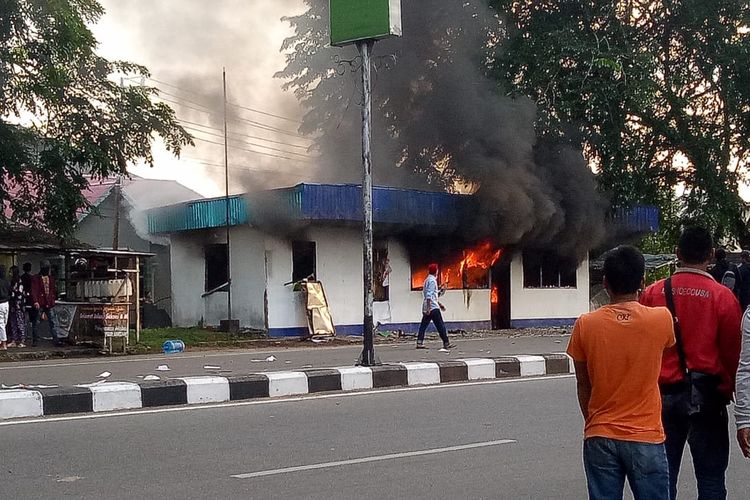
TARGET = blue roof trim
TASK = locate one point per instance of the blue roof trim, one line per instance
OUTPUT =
(342, 203)
(199, 214)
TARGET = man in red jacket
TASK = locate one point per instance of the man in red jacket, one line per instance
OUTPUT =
(44, 296)
(709, 317)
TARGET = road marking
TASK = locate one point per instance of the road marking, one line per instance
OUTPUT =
(376, 458)
(254, 402)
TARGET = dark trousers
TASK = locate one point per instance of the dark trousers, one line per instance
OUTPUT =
(436, 317)
(707, 434)
(35, 316)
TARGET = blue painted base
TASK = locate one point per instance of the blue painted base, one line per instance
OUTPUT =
(542, 323)
(405, 327)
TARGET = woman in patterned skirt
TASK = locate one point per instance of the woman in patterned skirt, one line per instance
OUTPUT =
(17, 314)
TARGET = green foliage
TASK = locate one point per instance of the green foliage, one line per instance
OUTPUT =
(656, 91)
(63, 116)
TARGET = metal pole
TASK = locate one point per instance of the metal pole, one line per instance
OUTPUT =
(368, 352)
(226, 201)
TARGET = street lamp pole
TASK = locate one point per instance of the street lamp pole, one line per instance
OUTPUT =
(368, 351)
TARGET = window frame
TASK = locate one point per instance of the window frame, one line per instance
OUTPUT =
(211, 270)
(549, 265)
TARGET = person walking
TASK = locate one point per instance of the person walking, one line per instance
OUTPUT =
(617, 352)
(44, 295)
(431, 310)
(742, 398)
(697, 376)
(17, 304)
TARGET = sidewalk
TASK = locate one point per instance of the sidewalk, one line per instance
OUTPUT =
(69, 372)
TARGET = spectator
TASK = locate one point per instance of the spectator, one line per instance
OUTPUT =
(617, 351)
(4, 299)
(742, 405)
(17, 314)
(26, 280)
(744, 279)
(709, 319)
(725, 273)
(44, 293)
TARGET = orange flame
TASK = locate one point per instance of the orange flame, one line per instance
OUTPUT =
(469, 270)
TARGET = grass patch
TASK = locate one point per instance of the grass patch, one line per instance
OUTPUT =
(153, 338)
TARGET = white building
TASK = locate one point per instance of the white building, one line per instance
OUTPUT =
(281, 236)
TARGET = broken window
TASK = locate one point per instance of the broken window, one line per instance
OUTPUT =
(382, 271)
(217, 266)
(546, 269)
(303, 260)
(462, 269)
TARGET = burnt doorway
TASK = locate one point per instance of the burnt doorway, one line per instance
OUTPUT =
(500, 294)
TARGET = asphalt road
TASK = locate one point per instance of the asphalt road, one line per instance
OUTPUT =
(193, 453)
(241, 362)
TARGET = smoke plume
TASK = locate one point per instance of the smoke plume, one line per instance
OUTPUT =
(440, 122)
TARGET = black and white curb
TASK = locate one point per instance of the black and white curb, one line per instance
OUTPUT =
(110, 396)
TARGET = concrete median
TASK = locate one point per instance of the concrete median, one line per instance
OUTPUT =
(113, 396)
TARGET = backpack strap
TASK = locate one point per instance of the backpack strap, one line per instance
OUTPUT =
(677, 330)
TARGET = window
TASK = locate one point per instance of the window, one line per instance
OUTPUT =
(303, 260)
(548, 270)
(382, 271)
(217, 266)
(463, 269)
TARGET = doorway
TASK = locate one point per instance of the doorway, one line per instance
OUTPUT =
(500, 294)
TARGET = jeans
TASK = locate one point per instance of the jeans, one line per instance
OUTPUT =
(609, 461)
(707, 434)
(35, 316)
(436, 317)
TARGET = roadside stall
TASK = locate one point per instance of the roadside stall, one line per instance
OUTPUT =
(102, 297)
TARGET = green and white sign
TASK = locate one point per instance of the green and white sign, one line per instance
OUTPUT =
(354, 20)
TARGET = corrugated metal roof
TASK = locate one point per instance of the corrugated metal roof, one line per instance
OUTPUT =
(199, 214)
(343, 203)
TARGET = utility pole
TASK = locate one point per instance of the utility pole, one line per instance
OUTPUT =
(368, 351)
(226, 201)
(116, 224)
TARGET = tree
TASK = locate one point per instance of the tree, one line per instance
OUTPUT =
(657, 92)
(63, 117)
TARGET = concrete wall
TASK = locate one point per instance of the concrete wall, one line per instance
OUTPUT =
(262, 263)
(339, 268)
(547, 306)
(188, 279)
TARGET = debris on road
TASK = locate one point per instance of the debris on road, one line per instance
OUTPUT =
(162, 368)
(151, 377)
(104, 375)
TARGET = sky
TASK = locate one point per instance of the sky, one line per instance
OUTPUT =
(185, 44)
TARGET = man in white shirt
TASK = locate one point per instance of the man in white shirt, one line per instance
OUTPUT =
(431, 310)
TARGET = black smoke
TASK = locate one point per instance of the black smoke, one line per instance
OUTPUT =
(440, 121)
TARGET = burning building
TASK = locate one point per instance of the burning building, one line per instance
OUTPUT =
(284, 235)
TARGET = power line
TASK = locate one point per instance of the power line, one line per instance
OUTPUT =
(254, 110)
(259, 125)
(253, 151)
(245, 135)
(247, 143)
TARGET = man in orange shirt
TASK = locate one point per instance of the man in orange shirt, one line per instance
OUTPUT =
(617, 352)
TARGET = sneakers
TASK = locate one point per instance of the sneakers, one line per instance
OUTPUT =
(12, 345)
(421, 346)
(449, 346)
(21, 345)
